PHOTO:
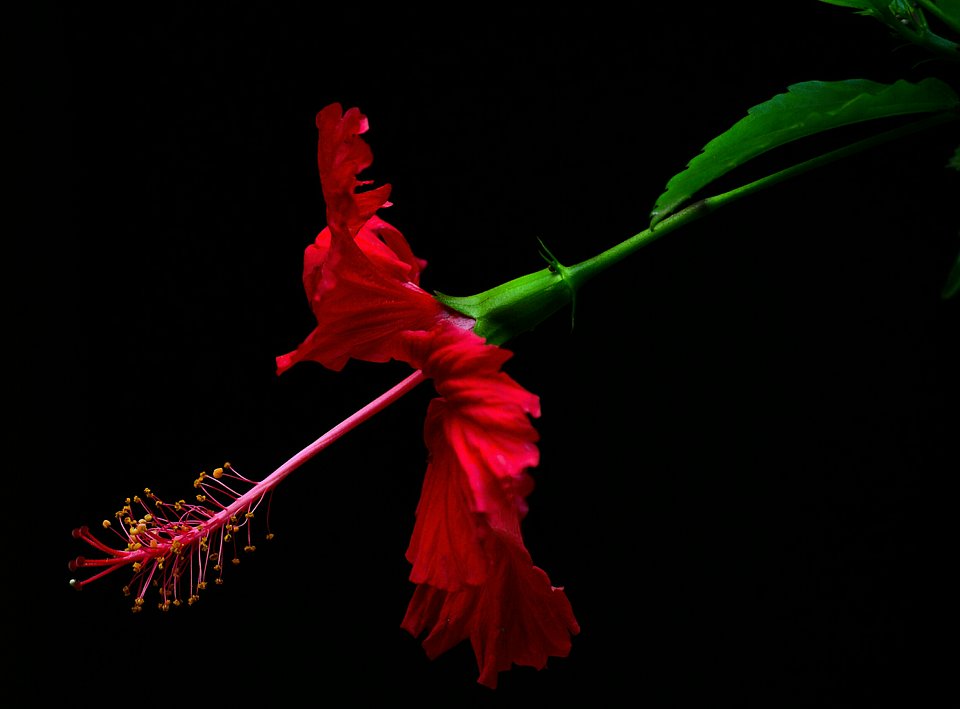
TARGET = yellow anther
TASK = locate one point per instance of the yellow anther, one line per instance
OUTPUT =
(217, 567)
(218, 581)
(177, 602)
(126, 590)
(227, 537)
(176, 546)
(136, 567)
(218, 473)
(106, 524)
(249, 515)
(147, 518)
(165, 606)
(178, 505)
(249, 548)
(202, 585)
(235, 561)
(136, 498)
(270, 536)
(153, 543)
(201, 498)
(214, 556)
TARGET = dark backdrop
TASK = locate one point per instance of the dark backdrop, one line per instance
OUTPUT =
(746, 434)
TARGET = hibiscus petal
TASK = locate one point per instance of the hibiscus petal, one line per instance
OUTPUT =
(486, 422)
(360, 275)
(445, 548)
(515, 618)
(385, 246)
(342, 155)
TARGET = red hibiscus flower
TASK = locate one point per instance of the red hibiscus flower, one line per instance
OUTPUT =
(475, 578)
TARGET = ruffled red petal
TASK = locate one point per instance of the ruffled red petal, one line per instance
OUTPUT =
(515, 618)
(445, 548)
(360, 275)
(481, 442)
(485, 418)
(341, 156)
(475, 577)
(360, 298)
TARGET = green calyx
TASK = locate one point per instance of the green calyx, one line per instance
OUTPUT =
(514, 307)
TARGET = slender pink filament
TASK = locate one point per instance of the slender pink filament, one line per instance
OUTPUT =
(345, 426)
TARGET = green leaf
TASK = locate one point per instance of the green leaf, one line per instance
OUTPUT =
(952, 286)
(806, 109)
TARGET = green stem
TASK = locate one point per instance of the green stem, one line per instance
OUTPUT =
(586, 270)
(950, 21)
(911, 24)
(521, 304)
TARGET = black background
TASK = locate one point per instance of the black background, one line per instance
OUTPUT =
(747, 436)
